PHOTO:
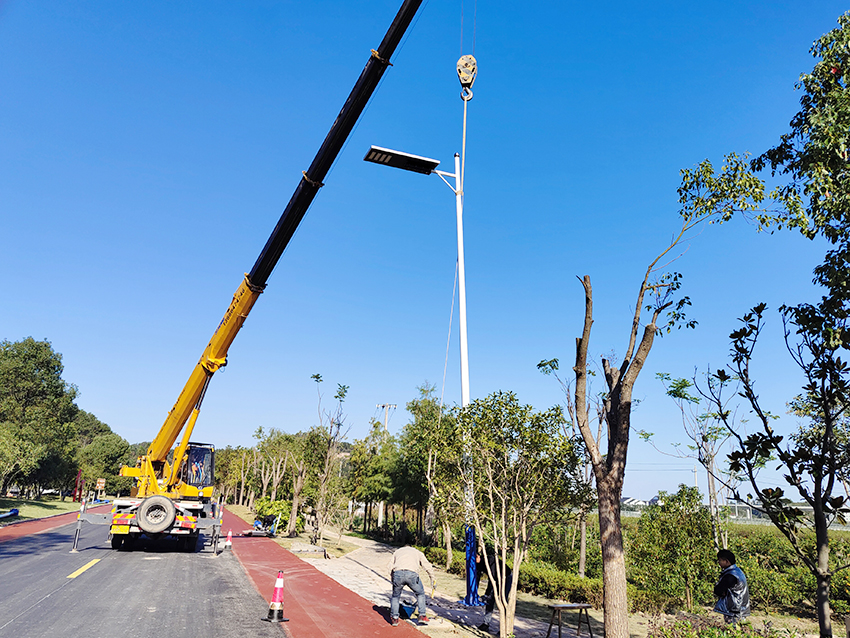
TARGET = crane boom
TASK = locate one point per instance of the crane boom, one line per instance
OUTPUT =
(164, 493)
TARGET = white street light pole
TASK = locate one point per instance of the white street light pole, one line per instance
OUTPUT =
(426, 166)
(461, 278)
(467, 69)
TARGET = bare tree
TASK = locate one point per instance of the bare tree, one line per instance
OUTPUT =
(329, 435)
(707, 435)
(299, 476)
(706, 197)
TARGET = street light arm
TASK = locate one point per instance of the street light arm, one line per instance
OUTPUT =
(443, 175)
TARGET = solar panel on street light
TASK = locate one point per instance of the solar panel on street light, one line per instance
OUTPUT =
(404, 161)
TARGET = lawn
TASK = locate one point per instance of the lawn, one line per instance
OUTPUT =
(47, 506)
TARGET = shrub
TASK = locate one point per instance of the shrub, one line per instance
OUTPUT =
(764, 545)
(558, 544)
(710, 627)
(670, 550)
(548, 581)
(840, 592)
(267, 507)
(437, 556)
(649, 602)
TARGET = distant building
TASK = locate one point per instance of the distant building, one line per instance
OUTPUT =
(628, 503)
(740, 510)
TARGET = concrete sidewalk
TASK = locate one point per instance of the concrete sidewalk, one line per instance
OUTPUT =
(364, 571)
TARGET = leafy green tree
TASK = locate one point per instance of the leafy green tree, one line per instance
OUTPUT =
(87, 427)
(428, 456)
(298, 465)
(372, 462)
(382, 453)
(421, 472)
(37, 412)
(809, 456)
(227, 473)
(17, 456)
(812, 160)
(672, 551)
(102, 458)
(275, 447)
(524, 472)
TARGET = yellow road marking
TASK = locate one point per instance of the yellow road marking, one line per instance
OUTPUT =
(91, 563)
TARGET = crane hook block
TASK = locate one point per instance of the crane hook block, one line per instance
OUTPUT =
(467, 69)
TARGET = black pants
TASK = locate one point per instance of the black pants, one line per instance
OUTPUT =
(490, 593)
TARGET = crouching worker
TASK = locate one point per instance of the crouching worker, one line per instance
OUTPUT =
(733, 595)
(404, 570)
(490, 594)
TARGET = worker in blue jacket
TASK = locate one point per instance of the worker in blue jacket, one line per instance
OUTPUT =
(733, 595)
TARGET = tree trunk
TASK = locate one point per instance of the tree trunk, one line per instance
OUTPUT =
(447, 538)
(823, 575)
(582, 550)
(298, 476)
(613, 563)
(713, 509)
(366, 517)
(292, 524)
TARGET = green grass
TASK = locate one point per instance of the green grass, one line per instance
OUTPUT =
(35, 509)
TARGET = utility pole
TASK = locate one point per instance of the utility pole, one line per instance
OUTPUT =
(386, 407)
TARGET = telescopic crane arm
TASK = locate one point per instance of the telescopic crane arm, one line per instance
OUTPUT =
(155, 475)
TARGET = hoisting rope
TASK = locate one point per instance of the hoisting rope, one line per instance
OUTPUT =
(474, 25)
(448, 342)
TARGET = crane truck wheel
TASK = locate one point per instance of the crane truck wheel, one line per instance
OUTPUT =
(155, 514)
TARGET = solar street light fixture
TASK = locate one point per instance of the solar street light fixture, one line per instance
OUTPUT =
(426, 166)
(404, 161)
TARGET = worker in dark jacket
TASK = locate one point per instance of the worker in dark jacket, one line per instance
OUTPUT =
(490, 594)
(733, 595)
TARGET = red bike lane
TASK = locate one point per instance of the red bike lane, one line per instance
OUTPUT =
(315, 604)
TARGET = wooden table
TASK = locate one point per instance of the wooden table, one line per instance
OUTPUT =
(557, 609)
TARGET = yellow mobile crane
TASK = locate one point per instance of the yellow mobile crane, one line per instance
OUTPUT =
(175, 497)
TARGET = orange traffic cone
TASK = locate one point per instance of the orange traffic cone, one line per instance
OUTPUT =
(228, 544)
(276, 605)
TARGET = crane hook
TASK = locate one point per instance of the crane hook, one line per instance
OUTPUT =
(467, 70)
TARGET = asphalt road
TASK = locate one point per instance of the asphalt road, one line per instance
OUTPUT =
(153, 591)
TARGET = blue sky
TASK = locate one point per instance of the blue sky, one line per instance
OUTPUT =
(147, 150)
